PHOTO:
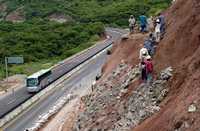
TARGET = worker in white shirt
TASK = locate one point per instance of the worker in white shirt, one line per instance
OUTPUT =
(143, 54)
(158, 30)
(131, 23)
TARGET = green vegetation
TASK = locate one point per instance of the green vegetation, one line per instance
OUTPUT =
(41, 41)
(106, 11)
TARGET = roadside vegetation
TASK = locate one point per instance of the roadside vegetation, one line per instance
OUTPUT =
(42, 41)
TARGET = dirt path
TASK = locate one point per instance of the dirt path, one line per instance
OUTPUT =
(14, 82)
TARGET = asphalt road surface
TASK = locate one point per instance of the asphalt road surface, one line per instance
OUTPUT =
(11, 101)
(87, 73)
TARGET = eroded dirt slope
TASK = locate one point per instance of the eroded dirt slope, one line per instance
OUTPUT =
(180, 49)
(118, 105)
(125, 50)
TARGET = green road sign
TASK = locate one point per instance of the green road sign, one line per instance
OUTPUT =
(15, 60)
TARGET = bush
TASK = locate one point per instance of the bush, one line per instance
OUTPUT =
(44, 39)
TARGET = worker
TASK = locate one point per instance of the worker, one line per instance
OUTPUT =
(143, 23)
(149, 46)
(149, 69)
(162, 24)
(158, 30)
(131, 23)
(93, 85)
(143, 54)
(152, 38)
(173, 1)
(143, 72)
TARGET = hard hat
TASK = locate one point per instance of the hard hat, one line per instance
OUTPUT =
(157, 20)
(148, 57)
(144, 53)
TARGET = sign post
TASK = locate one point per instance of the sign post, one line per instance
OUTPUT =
(6, 64)
(12, 60)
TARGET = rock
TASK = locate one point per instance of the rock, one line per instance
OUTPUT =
(142, 113)
(192, 108)
(186, 124)
(118, 97)
(178, 125)
(129, 116)
(124, 90)
(166, 74)
(125, 36)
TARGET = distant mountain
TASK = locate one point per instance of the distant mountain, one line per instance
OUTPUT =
(107, 11)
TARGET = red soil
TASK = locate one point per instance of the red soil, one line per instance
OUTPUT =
(127, 51)
(180, 49)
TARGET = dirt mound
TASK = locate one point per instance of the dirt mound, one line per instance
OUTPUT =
(59, 17)
(126, 50)
(16, 16)
(180, 49)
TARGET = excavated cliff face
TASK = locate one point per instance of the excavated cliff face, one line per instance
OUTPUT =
(180, 49)
(119, 100)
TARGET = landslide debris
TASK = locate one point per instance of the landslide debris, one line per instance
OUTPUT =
(115, 106)
(180, 48)
(112, 107)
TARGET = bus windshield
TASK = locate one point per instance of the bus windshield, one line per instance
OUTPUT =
(32, 82)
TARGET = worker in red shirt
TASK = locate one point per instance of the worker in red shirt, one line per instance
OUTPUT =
(149, 69)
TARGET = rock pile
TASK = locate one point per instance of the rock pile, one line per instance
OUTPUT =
(143, 102)
(114, 107)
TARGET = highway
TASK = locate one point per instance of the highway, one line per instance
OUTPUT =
(9, 102)
(86, 74)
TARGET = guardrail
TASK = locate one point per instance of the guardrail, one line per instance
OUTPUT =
(78, 54)
(108, 41)
(24, 106)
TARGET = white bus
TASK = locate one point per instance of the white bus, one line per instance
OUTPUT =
(39, 80)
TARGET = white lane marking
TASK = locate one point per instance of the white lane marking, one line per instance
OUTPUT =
(11, 101)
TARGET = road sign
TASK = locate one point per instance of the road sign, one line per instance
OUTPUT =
(15, 60)
(12, 60)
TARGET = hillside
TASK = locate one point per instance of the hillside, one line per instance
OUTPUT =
(121, 102)
(106, 11)
(180, 48)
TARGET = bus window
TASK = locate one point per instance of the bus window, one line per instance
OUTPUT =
(32, 82)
